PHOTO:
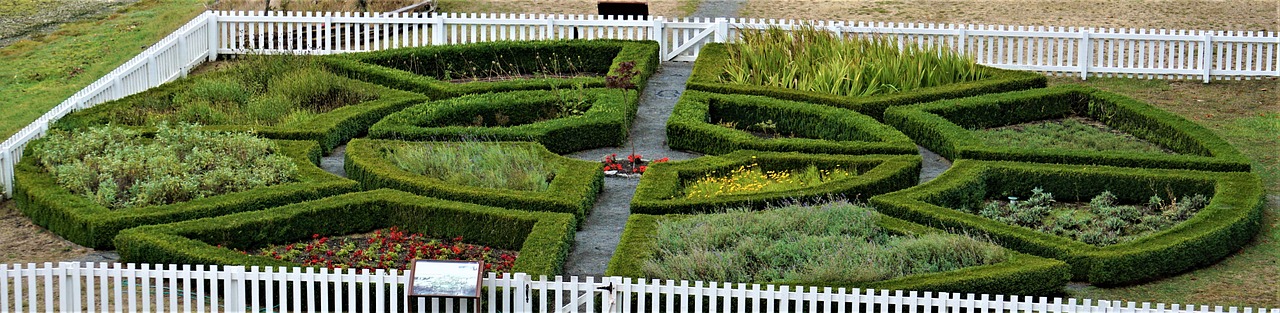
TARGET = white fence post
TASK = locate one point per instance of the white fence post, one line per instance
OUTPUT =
(1086, 54)
(68, 289)
(1206, 55)
(327, 33)
(212, 29)
(234, 297)
(153, 70)
(438, 30)
(722, 29)
(658, 33)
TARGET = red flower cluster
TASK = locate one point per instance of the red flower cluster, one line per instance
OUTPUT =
(633, 165)
(387, 249)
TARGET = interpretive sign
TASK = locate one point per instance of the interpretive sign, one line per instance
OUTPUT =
(442, 278)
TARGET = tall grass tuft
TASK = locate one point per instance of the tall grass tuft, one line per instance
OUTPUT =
(811, 59)
(833, 242)
(479, 164)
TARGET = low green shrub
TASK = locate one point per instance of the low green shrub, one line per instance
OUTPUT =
(944, 127)
(549, 117)
(117, 168)
(710, 71)
(1099, 222)
(533, 65)
(1230, 220)
(573, 190)
(1071, 133)
(662, 186)
(279, 97)
(542, 238)
(700, 119)
(82, 221)
(1018, 273)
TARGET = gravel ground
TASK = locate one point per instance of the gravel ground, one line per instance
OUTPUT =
(333, 163)
(932, 165)
(719, 8)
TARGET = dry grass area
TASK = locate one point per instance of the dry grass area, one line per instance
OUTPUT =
(24, 242)
(1241, 15)
(312, 5)
(656, 7)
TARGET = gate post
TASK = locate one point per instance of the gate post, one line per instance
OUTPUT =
(722, 29)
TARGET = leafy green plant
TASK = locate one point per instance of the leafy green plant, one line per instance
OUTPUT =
(753, 179)
(811, 59)
(1100, 222)
(835, 241)
(473, 163)
(118, 168)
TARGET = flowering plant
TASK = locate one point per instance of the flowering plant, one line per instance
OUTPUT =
(635, 164)
(386, 249)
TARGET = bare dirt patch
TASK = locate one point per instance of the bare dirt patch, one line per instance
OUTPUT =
(1240, 15)
(24, 242)
(22, 18)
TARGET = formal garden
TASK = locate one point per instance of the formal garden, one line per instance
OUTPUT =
(810, 173)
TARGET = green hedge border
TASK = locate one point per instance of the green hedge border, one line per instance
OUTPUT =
(1022, 274)
(833, 130)
(368, 66)
(942, 126)
(1229, 222)
(572, 191)
(605, 123)
(80, 220)
(663, 181)
(543, 238)
(330, 129)
(713, 57)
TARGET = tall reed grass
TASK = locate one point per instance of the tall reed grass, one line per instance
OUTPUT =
(478, 164)
(833, 242)
(810, 59)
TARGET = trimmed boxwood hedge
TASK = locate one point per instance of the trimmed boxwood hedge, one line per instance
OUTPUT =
(712, 59)
(89, 224)
(330, 129)
(543, 238)
(1230, 220)
(422, 69)
(943, 127)
(825, 129)
(573, 190)
(604, 124)
(660, 187)
(1021, 274)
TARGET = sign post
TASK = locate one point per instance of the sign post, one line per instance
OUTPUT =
(446, 279)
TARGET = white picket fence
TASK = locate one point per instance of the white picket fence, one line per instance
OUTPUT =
(113, 287)
(1177, 54)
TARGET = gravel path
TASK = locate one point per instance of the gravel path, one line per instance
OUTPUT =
(719, 8)
(333, 162)
(932, 165)
(595, 242)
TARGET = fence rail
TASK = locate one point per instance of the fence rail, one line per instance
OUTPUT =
(114, 287)
(1144, 53)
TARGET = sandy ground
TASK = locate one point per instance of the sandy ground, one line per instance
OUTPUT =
(23, 242)
(1237, 15)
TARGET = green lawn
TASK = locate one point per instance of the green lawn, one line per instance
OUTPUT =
(39, 73)
(1246, 114)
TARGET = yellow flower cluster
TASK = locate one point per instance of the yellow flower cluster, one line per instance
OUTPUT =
(752, 179)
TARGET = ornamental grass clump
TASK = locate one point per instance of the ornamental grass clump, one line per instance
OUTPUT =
(753, 179)
(1101, 222)
(119, 168)
(812, 59)
(833, 242)
(473, 163)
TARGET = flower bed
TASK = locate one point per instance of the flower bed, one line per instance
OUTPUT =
(830, 245)
(80, 220)
(582, 119)
(633, 166)
(718, 124)
(572, 190)
(430, 69)
(389, 248)
(1230, 220)
(279, 97)
(944, 127)
(541, 238)
(661, 189)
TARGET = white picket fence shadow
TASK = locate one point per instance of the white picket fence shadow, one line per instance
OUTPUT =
(114, 287)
